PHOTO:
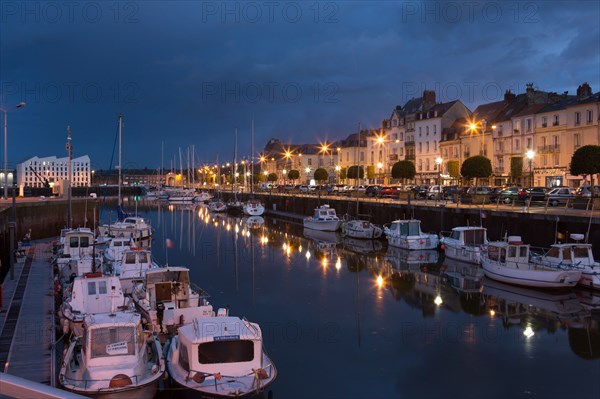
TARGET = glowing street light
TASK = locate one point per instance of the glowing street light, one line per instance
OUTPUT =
(530, 155)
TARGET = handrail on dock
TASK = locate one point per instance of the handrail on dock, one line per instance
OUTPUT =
(20, 388)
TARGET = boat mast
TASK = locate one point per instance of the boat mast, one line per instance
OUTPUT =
(162, 160)
(181, 167)
(70, 178)
(252, 161)
(358, 169)
(234, 169)
(120, 172)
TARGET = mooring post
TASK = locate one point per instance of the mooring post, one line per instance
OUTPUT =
(11, 234)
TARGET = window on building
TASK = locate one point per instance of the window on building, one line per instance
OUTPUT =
(529, 124)
(427, 148)
(362, 156)
(434, 129)
(517, 124)
(435, 145)
(556, 159)
(544, 160)
(529, 143)
(556, 120)
(420, 148)
(576, 141)
(427, 164)
(310, 160)
(577, 118)
(420, 165)
(401, 136)
(427, 130)
(517, 145)
(555, 142)
(590, 116)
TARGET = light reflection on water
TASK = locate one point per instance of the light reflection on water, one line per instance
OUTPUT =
(351, 318)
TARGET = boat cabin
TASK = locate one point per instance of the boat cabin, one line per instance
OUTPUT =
(134, 262)
(511, 251)
(115, 247)
(570, 255)
(470, 236)
(227, 345)
(406, 227)
(78, 243)
(94, 293)
(324, 212)
(171, 287)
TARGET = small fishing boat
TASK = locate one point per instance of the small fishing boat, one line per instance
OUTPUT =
(167, 299)
(357, 228)
(235, 207)
(465, 243)
(573, 255)
(216, 205)
(253, 207)
(324, 219)
(90, 294)
(135, 227)
(115, 358)
(203, 196)
(508, 262)
(220, 357)
(131, 268)
(407, 234)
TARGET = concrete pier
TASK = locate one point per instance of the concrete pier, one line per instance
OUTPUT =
(27, 318)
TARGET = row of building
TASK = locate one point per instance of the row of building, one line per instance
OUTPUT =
(529, 138)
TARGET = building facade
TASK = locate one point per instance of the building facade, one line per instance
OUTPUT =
(40, 172)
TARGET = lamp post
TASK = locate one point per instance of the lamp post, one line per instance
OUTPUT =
(530, 155)
(337, 173)
(20, 105)
(439, 161)
(379, 166)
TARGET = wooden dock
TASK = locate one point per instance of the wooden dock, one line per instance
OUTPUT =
(27, 318)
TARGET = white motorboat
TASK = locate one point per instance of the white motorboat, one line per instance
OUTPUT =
(91, 294)
(115, 358)
(76, 244)
(324, 219)
(253, 207)
(235, 207)
(203, 196)
(508, 262)
(465, 243)
(220, 357)
(573, 255)
(217, 205)
(134, 227)
(167, 299)
(131, 268)
(407, 234)
(113, 247)
(361, 229)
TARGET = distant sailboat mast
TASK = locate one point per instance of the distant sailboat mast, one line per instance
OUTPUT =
(252, 161)
(120, 165)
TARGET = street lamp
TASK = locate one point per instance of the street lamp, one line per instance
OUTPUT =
(530, 155)
(379, 166)
(20, 105)
(474, 126)
(439, 161)
(337, 173)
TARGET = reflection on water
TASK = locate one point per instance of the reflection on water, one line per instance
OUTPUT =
(352, 318)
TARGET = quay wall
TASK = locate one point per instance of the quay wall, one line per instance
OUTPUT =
(535, 227)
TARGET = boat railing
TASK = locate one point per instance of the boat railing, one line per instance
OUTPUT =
(269, 369)
(201, 292)
(250, 326)
(445, 233)
(536, 256)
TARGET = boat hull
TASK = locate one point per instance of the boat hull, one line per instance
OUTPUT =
(530, 276)
(322, 225)
(357, 231)
(461, 252)
(414, 243)
(254, 210)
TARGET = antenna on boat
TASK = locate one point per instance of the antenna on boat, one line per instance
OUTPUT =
(587, 235)
(120, 165)
(70, 178)
(556, 229)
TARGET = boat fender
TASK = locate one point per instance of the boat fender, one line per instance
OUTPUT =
(218, 376)
(261, 373)
(181, 320)
(198, 378)
(442, 247)
(65, 326)
(119, 381)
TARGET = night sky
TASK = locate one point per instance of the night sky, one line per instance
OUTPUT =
(188, 72)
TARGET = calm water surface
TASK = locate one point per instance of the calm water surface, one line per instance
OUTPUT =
(354, 319)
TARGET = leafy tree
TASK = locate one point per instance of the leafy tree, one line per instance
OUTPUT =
(293, 174)
(404, 170)
(259, 178)
(272, 177)
(356, 172)
(586, 161)
(476, 167)
(321, 175)
(370, 172)
(516, 168)
(454, 169)
(343, 174)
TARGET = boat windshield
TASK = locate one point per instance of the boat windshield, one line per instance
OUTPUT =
(581, 252)
(112, 341)
(169, 275)
(234, 351)
(409, 229)
(81, 242)
(474, 237)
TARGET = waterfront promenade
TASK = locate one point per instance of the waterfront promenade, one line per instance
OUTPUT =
(27, 318)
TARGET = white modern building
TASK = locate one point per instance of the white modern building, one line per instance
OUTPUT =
(36, 172)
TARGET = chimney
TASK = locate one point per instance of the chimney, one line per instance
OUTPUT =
(583, 91)
(428, 99)
(553, 97)
(509, 96)
(530, 94)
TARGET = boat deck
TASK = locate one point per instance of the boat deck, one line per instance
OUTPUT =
(27, 318)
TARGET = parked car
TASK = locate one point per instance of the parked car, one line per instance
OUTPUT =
(303, 189)
(326, 187)
(509, 195)
(448, 192)
(373, 190)
(494, 193)
(389, 191)
(312, 188)
(586, 191)
(532, 194)
(338, 188)
(435, 192)
(560, 195)
(420, 191)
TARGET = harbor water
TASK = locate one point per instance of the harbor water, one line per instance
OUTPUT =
(348, 318)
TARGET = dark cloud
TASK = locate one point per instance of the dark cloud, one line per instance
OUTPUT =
(190, 72)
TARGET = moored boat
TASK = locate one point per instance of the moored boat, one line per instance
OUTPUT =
(508, 262)
(114, 358)
(358, 228)
(220, 357)
(253, 207)
(465, 243)
(324, 219)
(407, 234)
